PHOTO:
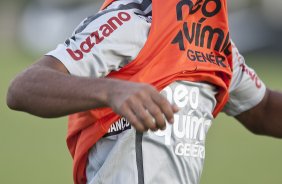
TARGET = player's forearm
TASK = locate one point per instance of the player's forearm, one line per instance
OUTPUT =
(272, 116)
(45, 92)
(266, 117)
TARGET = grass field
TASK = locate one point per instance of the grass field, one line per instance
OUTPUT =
(33, 150)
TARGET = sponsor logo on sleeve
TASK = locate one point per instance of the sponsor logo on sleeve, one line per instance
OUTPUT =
(99, 35)
(253, 76)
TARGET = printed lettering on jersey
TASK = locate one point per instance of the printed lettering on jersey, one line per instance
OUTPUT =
(253, 76)
(188, 132)
(210, 43)
(251, 73)
(118, 127)
(98, 36)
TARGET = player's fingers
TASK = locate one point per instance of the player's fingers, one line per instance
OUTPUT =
(144, 116)
(133, 120)
(175, 108)
(167, 109)
(156, 113)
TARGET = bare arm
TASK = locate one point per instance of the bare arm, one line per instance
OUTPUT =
(266, 117)
(47, 90)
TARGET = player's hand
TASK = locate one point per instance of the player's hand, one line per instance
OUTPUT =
(141, 104)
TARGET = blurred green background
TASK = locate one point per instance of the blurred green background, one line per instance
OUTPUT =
(33, 150)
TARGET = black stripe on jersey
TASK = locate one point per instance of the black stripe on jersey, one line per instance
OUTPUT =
(67, 42)
(143, 6)
(145, 15)
(139, 157)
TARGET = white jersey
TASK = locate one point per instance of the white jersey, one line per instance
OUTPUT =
(110, 40)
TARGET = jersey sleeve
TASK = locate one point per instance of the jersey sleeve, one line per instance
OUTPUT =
(103, 43)
(246, 89)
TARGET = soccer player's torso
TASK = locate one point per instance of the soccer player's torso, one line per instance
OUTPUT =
(175, 155)
(111, 40)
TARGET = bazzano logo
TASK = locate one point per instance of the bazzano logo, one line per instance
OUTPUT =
(200, 34)
(99, 35)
